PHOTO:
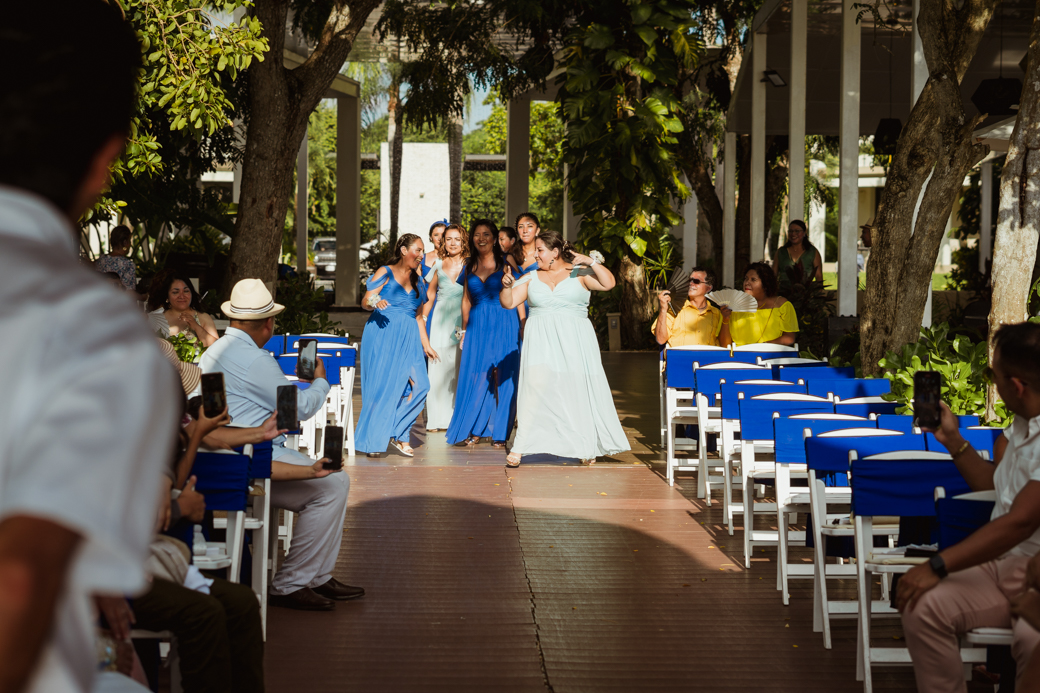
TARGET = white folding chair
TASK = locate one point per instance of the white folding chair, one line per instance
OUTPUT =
(788, 361)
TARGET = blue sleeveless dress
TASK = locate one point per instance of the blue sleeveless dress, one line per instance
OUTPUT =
(394, 382)
(485, 397)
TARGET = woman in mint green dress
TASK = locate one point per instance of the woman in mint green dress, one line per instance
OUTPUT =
(564, 405)
(444, 326)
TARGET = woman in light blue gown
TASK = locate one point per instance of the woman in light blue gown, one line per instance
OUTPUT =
(564, 404)
(485, 399)
(445, 325)
(394, 382)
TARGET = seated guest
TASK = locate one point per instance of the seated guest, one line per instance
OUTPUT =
(116, 259)
(970, 585)
(775, 321)
(697, 322)
(175, 309)
(251, 379)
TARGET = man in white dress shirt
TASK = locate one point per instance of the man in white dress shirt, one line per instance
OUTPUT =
(251, 380)
(89, 412)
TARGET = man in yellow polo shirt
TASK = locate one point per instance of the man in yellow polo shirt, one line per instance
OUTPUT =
(698, 322)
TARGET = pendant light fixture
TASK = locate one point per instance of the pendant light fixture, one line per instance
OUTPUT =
(887, 134)
(1000, 96)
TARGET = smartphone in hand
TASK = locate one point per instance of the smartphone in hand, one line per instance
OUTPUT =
(927, 395)
(287, 417)
(333, 447)
(214, 400)
(306, 359)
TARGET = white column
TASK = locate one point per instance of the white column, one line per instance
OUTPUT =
(301, 206)
(348, 200)
(849, 163)
(796, 129)
(571, 221)
(729, 210)
(986, 215)
(817, 226)
(689, 232)
(518, 157)
(758, 148)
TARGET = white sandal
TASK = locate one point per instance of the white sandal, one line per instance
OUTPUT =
(513, 459)
(404, 448)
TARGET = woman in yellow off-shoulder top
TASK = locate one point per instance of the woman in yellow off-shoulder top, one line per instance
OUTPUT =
(775, 321)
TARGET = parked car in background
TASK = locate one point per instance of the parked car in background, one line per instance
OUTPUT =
(324, 250)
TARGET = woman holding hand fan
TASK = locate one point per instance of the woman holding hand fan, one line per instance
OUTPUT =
(773, 322)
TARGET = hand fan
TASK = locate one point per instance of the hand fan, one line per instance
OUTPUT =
(734, 300)
(679, 284)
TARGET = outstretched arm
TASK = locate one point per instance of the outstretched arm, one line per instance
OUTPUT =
(601, 278)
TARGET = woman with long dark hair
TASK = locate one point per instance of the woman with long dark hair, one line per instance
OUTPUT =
(775, 321)
(445, 325)
(394, 382)
(175, 309)
(564, 405)
(798, 260)
(485, 398)
(527, 228)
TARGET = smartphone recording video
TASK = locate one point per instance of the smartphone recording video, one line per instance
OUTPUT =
(305, 361)
(287, 418)
(214, 400)
(927, 395)
(333, 447)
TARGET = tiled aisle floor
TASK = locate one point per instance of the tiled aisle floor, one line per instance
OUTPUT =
(555, 577)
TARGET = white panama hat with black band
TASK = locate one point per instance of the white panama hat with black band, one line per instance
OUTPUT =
(250, 300)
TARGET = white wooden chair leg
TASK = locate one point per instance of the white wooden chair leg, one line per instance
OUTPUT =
(234, 542)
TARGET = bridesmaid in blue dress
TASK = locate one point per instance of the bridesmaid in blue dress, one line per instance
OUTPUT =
(485, 397)
(426, 266)
(394, 382)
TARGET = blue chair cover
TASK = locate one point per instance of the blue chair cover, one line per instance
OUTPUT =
(902, 487)
(789, 434)
(292, 342)
(832, 454)
(276, 345)
(959, 517)
(730, 393)
(848, 388)
(905, 422)
(287, 362)
(260, 462)
(680, 367)
(756, 415)
(794, 373)
(707, 382)
(223, 479)
(978, 438)
(866, 409)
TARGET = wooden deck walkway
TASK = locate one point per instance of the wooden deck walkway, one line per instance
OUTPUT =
(555, 577)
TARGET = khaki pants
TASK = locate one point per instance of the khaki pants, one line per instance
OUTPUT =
(974, 598)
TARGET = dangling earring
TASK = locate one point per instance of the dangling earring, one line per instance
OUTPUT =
(551, 263)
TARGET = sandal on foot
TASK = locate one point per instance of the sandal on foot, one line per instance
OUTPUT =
(499, 445)
(589, 461)
(404, 448)
(513, 459)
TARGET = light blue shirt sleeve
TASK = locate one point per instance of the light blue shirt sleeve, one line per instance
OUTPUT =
(265, 377)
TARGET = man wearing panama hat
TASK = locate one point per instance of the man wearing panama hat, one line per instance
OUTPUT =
(251, 379)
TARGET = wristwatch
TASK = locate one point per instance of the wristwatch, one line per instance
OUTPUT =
(938, 566)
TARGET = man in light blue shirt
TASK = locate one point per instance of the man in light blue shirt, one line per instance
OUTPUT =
(251, 380)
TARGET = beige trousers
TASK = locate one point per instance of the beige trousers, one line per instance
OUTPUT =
(974, 598)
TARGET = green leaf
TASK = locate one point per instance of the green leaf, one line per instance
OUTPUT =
(641, 13)
(598, 37)
(646, 33)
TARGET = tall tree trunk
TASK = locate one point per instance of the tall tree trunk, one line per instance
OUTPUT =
(936, 140)
(635, 304)
(455, 167)
(694, 164)
(395, 138)
(280, 102)
(1018, 221)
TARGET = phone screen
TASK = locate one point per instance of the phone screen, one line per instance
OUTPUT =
(287, 418)
(333, 447)
(927, 395)
(308, 353)
(214, 401)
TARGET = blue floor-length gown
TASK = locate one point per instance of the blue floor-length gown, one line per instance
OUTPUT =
(484, 408)
(394, 382)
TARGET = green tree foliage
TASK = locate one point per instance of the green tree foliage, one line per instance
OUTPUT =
(191, 57)
(622, 115)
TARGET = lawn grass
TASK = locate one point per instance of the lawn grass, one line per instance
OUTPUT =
(830, 281)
